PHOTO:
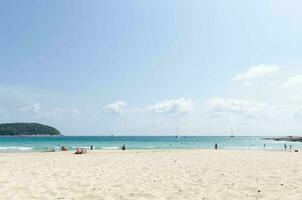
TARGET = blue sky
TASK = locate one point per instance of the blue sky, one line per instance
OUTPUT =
(150, 67)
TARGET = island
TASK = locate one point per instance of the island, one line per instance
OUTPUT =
(287, 138)
(27, 129)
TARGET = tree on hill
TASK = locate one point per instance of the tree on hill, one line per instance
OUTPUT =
(15, 129)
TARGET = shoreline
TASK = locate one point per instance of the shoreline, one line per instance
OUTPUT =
(44, 143)
(148, 150)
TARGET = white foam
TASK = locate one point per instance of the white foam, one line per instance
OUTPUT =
(81, 147)
(16, 148)
(110, 148)
(238, 147)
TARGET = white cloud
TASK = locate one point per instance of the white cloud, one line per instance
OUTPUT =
(57, 113)
(75, 111)
(115, 108)
(225, 107)
(294, 82)
(176, 106)
(34, 109)
(255, 72)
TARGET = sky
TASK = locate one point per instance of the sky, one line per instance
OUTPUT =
(153, 67)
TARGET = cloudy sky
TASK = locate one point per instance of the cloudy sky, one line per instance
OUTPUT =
(152, 67)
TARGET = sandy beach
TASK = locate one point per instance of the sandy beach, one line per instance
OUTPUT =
(160, 174)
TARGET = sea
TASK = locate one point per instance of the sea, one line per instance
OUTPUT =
(29, 144)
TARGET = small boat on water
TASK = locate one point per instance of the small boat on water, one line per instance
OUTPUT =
(177, 136)
(232, 134)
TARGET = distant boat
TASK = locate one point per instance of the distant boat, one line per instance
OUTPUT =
(232, 134)
(177, 136)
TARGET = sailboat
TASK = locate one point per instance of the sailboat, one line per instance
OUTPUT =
(177, 136)
(232, 134)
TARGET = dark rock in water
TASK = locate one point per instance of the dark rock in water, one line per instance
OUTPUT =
(288, 139)
(27, 129)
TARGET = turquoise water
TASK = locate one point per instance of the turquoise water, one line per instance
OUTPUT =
(136, 142)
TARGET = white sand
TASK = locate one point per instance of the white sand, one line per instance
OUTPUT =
(175, 174)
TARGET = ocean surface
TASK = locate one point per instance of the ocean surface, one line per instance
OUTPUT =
(12, 144)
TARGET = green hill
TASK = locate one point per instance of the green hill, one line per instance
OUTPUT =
(27, 129)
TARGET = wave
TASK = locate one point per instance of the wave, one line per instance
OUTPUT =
(81, 147)
(240, 147)
(111, 148)
(150, 147)
(16, 148)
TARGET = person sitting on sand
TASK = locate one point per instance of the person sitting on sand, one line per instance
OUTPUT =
(80, 151)
(63, 148)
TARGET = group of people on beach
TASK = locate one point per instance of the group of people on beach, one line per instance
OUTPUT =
(285, 147)
(123, 147)
(264, 145)
(79, 150)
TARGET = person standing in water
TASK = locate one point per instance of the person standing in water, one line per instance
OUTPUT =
(216, 146)
(124, 147)
(285, 147)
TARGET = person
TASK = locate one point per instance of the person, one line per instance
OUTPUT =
(285, 146)
(91, 147)
(216, 146)
(264, 145)
(290, 147)
(80, 151)
(63, 148)
(124, 147)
